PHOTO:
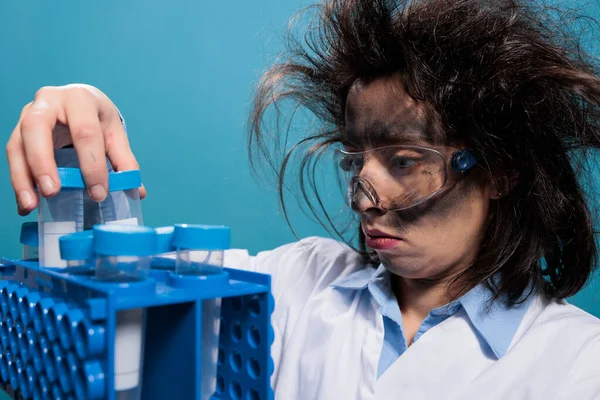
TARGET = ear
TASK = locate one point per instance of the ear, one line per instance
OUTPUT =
(500, 187)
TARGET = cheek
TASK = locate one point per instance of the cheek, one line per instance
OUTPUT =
(456, 226)
(445, 236)
(455, 216)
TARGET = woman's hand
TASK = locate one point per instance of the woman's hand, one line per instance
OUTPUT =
(74, 114)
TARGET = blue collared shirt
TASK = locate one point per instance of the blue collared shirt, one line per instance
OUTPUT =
(496, 325)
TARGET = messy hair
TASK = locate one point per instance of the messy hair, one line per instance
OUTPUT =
(507, 79)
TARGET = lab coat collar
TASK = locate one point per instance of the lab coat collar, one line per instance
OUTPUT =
(496, 323)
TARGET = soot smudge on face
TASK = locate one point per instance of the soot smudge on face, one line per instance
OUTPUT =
(380, 112)
(450, 205)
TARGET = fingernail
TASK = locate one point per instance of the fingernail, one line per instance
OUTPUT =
(25, 199)
(46, 185)
(97, 192)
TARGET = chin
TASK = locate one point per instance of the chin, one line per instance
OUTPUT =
(406, 267)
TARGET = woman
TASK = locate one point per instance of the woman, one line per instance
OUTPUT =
(459, 127)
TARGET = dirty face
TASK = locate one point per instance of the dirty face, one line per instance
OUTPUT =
(437, 238)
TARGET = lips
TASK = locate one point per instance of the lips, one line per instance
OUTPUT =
(378, 240)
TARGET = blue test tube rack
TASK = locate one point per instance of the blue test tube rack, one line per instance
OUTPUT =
(57, 334)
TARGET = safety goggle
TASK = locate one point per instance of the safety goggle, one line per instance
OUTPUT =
(405, 176)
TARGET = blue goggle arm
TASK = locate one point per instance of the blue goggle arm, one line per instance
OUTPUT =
(462, 161)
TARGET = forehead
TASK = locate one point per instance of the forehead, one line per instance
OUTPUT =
(380, 112)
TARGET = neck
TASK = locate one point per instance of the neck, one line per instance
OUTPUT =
(418, 297)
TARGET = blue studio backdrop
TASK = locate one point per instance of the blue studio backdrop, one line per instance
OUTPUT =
(182, 73)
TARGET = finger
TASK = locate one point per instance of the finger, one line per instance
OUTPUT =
(118, 149)
(143, 192)
(20, 174)
(81, 112)
(36, 137)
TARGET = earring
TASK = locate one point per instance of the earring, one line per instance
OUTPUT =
(499, 194)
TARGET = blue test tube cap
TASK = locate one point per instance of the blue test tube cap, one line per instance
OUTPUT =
(76, 246)
(29, 234)
(124, 180)
(124, 240)
(164, 239)
(201, 237)
(71, 178)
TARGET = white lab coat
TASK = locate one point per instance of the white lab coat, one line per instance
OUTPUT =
(327, 342)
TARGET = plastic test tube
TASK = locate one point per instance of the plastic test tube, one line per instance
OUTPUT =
(123, 254)
(60, 215)
(122, 205)
(76, 249)
(200, 250)
(68, 211)
(29, 240)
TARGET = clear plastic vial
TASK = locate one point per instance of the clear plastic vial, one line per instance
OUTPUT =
(200, 250)
(122, 203)
(29, 240)
(121, 206)
(60, 215)
(123, 254)
(72, 210)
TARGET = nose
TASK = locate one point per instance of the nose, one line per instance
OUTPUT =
(364, 198)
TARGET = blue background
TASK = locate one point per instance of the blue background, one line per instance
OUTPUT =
(182, 73)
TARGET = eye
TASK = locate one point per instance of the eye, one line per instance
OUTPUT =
(401, 162)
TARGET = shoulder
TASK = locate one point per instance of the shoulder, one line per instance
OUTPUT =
(573, 331)
(316, 260)
(317, 250)
(568, 316)
(565, 323)
(560, 327)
